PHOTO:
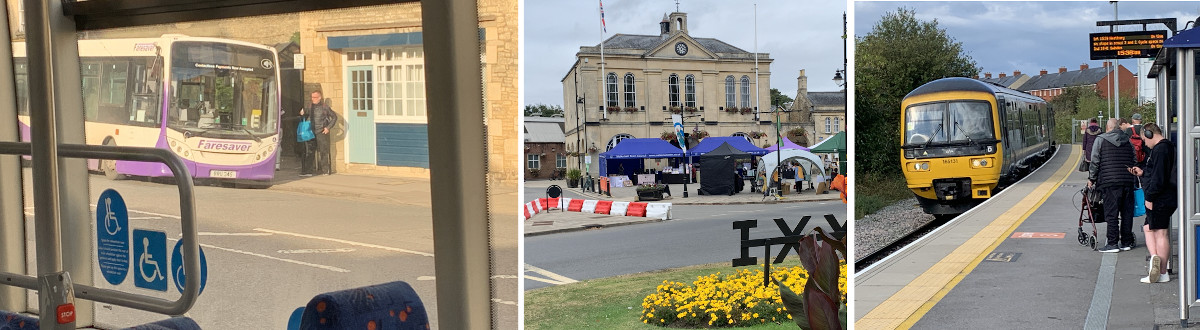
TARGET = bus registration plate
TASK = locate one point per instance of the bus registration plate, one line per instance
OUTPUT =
(223, 174)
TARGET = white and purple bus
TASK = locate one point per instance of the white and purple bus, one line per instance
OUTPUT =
(214, 102)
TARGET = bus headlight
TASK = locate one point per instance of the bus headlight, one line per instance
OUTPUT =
(982, 162)
(920, 166)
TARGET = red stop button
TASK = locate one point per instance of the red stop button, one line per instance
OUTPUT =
(66, 313)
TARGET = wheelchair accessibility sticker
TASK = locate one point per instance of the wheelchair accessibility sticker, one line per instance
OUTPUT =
(112, 237)
(150, 259)
(178, 275)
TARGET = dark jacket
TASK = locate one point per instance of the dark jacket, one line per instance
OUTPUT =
(1112, 156)
(1157, 180)
(321, 116)
(1089, 138)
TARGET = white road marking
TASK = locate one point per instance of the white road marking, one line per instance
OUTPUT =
(145, 218)
(388, 248)
(303, 251)
(498, 301)
(331, 268)
(494, 277)
(553, 278)
(204, 233)
(152, 213)
(425, 278)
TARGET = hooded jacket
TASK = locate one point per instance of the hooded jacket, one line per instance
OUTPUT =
(1089, 138)
(1112, 156)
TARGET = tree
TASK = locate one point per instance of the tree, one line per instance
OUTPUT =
(899, 54)
(1084, 102)
(779, 99)
(542, 110)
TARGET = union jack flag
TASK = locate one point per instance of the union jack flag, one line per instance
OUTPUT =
(603, 26)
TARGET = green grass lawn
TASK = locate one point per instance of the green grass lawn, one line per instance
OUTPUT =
(610, 303)
(873, 192)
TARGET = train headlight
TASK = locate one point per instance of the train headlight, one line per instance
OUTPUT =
(982, 162)
(920, 166)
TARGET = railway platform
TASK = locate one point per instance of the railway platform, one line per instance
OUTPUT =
(1015, 262)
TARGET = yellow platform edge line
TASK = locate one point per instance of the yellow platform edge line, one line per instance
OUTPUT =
(1005, 218)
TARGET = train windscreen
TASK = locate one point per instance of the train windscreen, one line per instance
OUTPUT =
(945, 122)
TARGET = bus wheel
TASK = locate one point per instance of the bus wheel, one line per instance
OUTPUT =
(109, 167)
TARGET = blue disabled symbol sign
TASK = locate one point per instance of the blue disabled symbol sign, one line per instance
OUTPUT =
(112, 237)
(150, 259)
(178, 275)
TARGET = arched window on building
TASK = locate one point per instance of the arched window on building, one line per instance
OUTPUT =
(689, 91)
(630, 91)
(673, 89)
(744, 136)
(745, 91)
(612, 89)
(730, 92)
(827, 129)
(612, 143)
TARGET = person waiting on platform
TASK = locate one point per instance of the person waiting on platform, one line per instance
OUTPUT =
(1158, 181)
(1112, 157)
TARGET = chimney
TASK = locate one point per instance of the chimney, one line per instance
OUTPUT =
(801, 84)
(1042, 73)
(987, 75)
(975, 77)
(1016, 73)
(1106, 64)
(1002, 74)
(1062, 69)
(1083, 67)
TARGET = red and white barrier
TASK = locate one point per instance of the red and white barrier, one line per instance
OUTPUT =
(661, 211)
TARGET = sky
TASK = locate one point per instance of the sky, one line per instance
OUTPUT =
(797, 35)
(1028, 36)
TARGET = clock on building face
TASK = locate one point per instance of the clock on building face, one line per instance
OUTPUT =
(681, 49)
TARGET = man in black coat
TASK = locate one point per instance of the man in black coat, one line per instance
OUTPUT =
(1112, 159)
(322, 118)
(1158, 182)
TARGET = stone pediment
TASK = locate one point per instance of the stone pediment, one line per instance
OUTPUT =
(681, 43)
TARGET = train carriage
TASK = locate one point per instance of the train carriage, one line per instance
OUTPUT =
(962, 138)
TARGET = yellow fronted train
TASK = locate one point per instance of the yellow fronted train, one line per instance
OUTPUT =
(961, 138)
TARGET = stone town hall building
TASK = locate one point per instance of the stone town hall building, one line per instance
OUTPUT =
(649, 77)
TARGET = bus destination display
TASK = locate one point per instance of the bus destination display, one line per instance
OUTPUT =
(1122, 45)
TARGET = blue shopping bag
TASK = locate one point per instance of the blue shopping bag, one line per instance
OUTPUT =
(1139, 200)
(304, 131)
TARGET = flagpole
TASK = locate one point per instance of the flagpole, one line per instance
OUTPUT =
(603, 74)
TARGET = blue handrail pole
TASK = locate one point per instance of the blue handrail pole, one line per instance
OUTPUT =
(458, 163)
(12, 217)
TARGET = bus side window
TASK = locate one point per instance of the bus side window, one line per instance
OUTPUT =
(90, 72)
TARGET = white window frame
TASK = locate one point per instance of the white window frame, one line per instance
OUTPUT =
(827, 120)
(560, 161)
(630, 91)
(730, 92)
(533, 161)
(673, 96)
(689, 91)
(745, 91)
(610, 82)
(837, 124)
(407, 58)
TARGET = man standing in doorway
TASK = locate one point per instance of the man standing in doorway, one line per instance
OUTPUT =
(1112, 157)
(323, 118)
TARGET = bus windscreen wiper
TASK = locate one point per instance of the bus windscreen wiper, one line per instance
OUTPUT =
(251, 134)
(932, 136)
(968, 136)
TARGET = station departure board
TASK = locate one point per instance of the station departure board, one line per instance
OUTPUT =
(1122, 45)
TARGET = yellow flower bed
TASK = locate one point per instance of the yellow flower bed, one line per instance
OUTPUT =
(733, 300)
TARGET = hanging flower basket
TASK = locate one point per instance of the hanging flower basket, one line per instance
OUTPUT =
(732, 110)
(676, 110)
(757, 135)
(690, 109)
(613, 109)
(631, 109)
(747, 110)
(669, 136)
(700, 134)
